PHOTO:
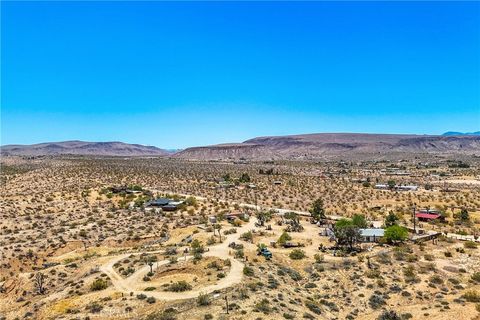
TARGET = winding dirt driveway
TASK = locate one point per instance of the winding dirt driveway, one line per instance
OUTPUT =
(221, 250)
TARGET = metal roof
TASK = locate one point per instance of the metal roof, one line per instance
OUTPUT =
(372, 232)
(161, 201)
(428, 215)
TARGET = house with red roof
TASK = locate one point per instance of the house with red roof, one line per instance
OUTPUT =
(429, 215)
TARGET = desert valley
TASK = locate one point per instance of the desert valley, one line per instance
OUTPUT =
(299, 227)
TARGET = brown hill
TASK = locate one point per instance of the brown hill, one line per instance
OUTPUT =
(335, 145)
(83, 148)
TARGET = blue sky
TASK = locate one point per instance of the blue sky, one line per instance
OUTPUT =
(179, 74)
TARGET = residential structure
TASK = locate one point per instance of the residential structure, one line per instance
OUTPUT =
(371, 234)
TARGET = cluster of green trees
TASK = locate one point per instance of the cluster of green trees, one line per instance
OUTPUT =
(393, 232)
(347, 231)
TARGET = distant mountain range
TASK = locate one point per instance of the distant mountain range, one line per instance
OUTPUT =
(336, 145)
(305, 146)
(83, 148)
(454, 133)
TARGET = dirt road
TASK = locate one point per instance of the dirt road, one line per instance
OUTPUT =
(134, 282)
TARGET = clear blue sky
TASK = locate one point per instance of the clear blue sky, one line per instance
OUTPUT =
(179, 74)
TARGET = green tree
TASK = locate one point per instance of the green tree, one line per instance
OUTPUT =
(284, 238)
(197, 249)
(346, 233)
(391, 219)
(391, 184)
(395, 234)
(359, 221)
(464, 215)
(318, 211)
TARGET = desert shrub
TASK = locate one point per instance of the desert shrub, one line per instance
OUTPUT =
(470, 245)
(294, 275)
(476, 277)
(472, 296)
(239, 253)
(310, 285)
(263, 306)
(297, 254)
(314, 307)
(272, 282)
(248, 271)
(409, 273)
(168, 314)
(247, 236)
(436, 279)
(374, 273)
(203, 299)
(98, 285)
(179, 286)
(429, 257)
(151, 300)
(319, 258)
(376, 301)
(94, 307)
(389, 315)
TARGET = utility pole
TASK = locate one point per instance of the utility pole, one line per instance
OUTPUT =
(414, 218)
(226, 301)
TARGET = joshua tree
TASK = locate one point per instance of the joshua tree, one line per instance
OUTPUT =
(218, 227)
(264, 216)
(149, 261)
(39, 282)
(294, 221)
(317, 211)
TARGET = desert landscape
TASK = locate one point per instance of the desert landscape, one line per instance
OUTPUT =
(99, 237)
(240, 160)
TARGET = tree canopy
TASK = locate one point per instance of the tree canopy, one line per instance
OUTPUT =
(395, 234)
(346, 233)
(359, 220)
(391, 219)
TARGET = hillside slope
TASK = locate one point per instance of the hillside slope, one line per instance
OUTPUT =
(83, 148)
(327, 145)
